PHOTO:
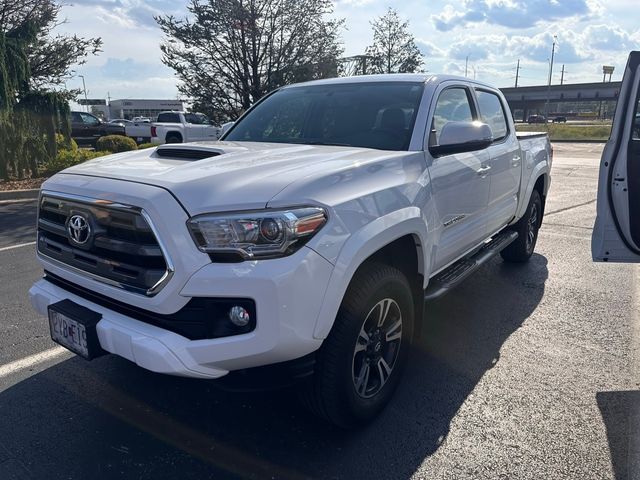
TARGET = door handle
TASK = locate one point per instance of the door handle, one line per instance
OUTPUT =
(515, 162)
(482, 171)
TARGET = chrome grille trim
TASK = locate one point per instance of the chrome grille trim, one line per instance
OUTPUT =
(108, 205)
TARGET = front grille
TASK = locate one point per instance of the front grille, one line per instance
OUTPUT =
(120, 246)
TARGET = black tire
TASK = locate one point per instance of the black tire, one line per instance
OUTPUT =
(521, 249)
(174, 138)
(332, 392)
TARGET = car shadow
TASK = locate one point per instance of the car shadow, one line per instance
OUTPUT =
(110, 419)
(621, 414)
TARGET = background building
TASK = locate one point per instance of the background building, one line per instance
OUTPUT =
(130, 108)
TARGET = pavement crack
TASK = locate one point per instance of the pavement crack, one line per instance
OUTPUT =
(560, 210)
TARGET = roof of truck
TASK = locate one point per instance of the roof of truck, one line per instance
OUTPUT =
(390, 77)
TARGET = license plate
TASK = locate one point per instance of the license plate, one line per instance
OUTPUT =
(74, 327)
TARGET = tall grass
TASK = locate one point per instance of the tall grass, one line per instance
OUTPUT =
(569, 132)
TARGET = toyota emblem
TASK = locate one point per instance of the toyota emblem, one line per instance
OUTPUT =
(79, 229)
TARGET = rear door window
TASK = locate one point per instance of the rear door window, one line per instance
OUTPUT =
(196, 118)
(492, 113)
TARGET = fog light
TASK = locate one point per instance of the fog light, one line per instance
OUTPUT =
(239, 316)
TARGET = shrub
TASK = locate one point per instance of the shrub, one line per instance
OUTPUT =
(64, 144)
(69, 158)
(142, 146)
(116, 144)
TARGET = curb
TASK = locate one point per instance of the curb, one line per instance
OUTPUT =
(19, 194)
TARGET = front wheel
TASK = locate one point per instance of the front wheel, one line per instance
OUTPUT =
(521, 249)
(360, 363)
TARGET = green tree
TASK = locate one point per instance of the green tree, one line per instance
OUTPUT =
(33, 63)
(229, 53)
(394, 49)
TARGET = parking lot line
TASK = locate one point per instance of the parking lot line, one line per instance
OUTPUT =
(11, 247)
(31, 361)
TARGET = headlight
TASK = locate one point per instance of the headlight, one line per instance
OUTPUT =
(257, 234)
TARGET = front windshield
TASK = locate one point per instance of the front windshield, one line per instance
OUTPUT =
(371, 115)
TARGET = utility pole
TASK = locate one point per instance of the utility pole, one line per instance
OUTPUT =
(562, 75)
(84, 87)
(553, 51)
(466, 65)
(517, 72)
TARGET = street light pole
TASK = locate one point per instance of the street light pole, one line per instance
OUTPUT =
(553, 51)
(84, 87)
(466, 65)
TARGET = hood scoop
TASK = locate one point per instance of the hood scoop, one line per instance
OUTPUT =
(185, 153)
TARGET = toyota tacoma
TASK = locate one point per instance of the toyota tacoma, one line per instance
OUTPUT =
(309, 239)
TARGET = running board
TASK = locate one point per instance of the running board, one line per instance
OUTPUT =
(450, 278)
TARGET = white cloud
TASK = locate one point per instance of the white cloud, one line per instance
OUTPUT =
(429, 49)
(511, 13)
(607, 37)
(493, 33)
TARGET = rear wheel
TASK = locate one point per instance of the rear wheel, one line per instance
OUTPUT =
(360, 363)
(521, 249)
(174, 138)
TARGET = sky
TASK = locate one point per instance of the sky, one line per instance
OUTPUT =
(492, 34)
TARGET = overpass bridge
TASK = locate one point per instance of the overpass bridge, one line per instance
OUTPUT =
(573, 100)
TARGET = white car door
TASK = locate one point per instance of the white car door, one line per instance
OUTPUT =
(460, 181)
(505, 161)
(198, 128)
(616, 234)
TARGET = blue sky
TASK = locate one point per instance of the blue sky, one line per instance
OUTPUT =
(493, 33)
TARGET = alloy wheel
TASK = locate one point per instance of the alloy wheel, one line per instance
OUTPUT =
(376, 349)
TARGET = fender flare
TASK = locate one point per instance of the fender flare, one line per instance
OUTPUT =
(358, 248)
(538, 170)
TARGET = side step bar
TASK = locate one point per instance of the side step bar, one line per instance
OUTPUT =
(450, 278)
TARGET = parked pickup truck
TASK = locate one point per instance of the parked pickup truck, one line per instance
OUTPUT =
(180, 127)
(140, 131)
(307, 243)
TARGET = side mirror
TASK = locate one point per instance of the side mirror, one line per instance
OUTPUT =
(459, 137)
(226, 127)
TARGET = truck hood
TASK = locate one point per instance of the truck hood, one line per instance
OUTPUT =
(238, 175)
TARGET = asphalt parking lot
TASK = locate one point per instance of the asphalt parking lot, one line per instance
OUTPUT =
(524, 372)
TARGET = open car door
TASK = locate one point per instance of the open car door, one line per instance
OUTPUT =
(616, 234)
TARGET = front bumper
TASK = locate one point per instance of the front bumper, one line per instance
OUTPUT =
(288, 294)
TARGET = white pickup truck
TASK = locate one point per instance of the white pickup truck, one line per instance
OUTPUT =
(181, 127)
(139, 130)
(308, 241)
